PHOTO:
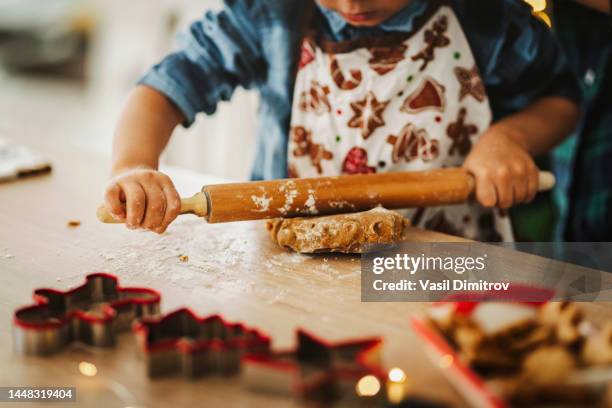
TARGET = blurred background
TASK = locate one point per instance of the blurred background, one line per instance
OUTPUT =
(66, 67)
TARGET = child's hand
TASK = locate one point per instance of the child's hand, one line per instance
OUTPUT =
(505, 173)
(143, 198)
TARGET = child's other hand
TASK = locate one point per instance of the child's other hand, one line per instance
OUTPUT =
(505, 173)
(143, 198)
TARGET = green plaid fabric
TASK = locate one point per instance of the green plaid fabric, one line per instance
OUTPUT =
(583, 164)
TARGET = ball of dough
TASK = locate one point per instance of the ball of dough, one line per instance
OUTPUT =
(345, 233)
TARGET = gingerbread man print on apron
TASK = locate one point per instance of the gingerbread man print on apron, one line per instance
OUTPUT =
(401, 102)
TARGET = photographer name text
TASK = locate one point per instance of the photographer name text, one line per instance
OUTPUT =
(444, 285)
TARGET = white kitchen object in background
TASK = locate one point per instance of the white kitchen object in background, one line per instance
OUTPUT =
(124, 38)
(135, 35)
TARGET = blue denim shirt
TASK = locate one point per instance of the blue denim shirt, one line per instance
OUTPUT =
(256, 44)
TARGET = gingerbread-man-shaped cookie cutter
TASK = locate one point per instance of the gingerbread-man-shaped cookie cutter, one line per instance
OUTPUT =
(92, 313)
(182, 342)
(316, 369)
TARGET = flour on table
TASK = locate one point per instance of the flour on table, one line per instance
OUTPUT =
(191, 254)
(223, 263)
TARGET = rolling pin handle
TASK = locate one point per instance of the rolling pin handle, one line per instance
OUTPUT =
(546, 181)
(196, 205)
(104, 216)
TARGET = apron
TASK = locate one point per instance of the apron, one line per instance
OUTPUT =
(401, 102)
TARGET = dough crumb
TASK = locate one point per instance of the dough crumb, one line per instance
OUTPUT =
(74, 224)
(344, 233)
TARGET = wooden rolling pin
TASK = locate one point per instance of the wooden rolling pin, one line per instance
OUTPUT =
(329, 195)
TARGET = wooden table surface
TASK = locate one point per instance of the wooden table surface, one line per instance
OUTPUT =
(233, 269)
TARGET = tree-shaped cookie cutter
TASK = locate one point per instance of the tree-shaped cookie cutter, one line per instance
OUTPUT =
(184, 343)
(92, 313)
(316, 369)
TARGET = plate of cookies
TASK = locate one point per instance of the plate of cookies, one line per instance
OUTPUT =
(520, 354)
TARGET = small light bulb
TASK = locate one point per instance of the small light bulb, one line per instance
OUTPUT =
(537, 5)
(368, 386)
(88, 369)
(397, 375)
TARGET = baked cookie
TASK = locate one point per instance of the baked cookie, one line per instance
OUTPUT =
(345, 233)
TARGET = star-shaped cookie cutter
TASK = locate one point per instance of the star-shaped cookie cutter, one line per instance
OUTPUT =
(316, 369)
(92, 313)
(182, 342)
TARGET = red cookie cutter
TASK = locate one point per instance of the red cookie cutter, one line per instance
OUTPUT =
(316, 369)
(194, 346)
(92, 313)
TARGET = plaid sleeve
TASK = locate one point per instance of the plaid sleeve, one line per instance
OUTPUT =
(527, 63)
(217, 54)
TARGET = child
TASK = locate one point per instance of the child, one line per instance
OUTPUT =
(361, 86)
